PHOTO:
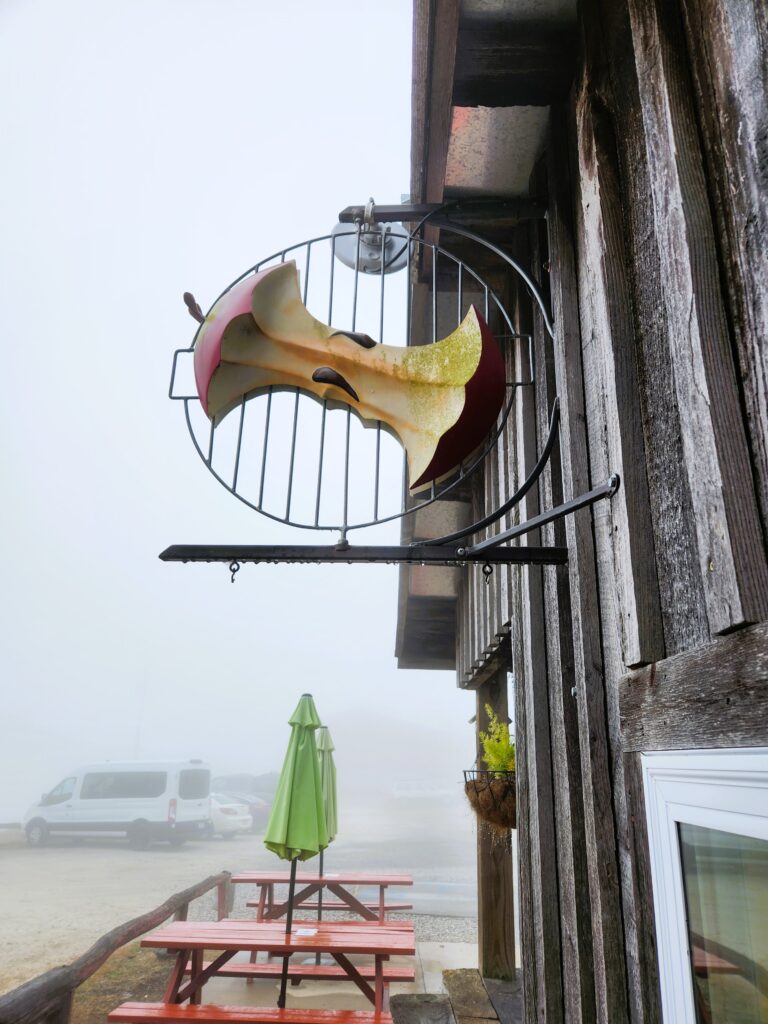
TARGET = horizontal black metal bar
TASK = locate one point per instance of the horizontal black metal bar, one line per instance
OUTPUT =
(349, 553)
(471, 212)
(605, 490)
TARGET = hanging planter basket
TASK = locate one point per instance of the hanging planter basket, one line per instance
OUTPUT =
(493, 796)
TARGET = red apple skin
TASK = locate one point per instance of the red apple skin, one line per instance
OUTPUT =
(207, 357)
(485, 391)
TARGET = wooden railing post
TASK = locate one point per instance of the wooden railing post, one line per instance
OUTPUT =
(225, 898)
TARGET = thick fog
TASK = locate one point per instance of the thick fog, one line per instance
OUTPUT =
(152, 148)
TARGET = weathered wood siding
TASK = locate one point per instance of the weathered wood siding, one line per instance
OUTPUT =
(655, 259)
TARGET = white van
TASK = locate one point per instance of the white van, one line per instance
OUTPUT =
(144, 801)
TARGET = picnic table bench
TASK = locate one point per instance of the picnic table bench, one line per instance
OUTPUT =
(310, 886)
(189, 940)
(175, 1013)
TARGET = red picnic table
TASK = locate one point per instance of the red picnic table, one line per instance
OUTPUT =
(188, 939)
(313, 884)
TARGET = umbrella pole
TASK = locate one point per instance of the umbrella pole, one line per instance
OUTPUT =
(318, 956)
(288, 926)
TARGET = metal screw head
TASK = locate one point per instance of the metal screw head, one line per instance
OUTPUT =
(573, 691)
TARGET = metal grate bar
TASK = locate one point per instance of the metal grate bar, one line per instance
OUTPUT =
(320, 463)
(267, 419)
(408, 294)
(239, 444)
(306, 271)
(434, 293)
(293, 455)
(357, 276)
(378, 467)
(383, 276)
(460, 294)
(330, 285)
(346, 472)
(210, 444)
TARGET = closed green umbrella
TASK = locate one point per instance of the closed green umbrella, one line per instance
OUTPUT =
(325, 749)
(296, 829)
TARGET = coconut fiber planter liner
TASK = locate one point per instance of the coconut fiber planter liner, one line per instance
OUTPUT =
(493, 796)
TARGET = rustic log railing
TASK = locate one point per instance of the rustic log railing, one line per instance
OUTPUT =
(47, 999)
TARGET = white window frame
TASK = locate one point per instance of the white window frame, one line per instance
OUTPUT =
(720, 789)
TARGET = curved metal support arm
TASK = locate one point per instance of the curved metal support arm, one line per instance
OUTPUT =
(519, 494)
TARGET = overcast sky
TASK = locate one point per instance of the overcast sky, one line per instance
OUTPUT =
(154, 147)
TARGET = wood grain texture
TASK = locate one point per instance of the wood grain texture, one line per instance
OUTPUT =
(680, 589)
(727, 44)
(607, 935)
(573, 885)
(714, 696)
(604, 285)
(731, 551)
(524, 798)
(435, 29)
(623, 533)
(421, 1009)
(643, 920)
(469, 997)
(495, 918)
(531, 673)
(505, 64)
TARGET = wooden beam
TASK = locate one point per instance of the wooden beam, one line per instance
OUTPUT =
(573, 883)
(531, 673)
(714, 696)
(495, 898)
(602, 863)
(731, 551)
(727, 44)
(505, 64)
(435, 30)
(680, 591)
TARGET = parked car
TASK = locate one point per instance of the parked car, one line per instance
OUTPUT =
(144, 801)
(228, 818)
(257, 808)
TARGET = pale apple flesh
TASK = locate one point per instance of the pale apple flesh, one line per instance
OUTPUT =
(440, 400)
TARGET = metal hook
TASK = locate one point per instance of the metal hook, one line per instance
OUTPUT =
(487, 572)
(234, 567)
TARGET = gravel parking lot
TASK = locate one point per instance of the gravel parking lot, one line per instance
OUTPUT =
(56, 901)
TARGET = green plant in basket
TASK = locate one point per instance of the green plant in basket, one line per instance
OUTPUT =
(498, 747)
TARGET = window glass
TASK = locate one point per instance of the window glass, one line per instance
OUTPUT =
(60, 793)
(194, 783)
(123, 785)
(725, 878)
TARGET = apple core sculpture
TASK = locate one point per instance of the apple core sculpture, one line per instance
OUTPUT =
(265, 367)
(439, 400)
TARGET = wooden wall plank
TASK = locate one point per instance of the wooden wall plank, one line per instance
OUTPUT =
(573, 885)
(435, 29)
(524, 798)
(680, 590)
(727, 43)
(732, 559)
(713, 696)
(531, 673)
(607, 933)
(614, 432)
(624, 535)
(644, 921)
